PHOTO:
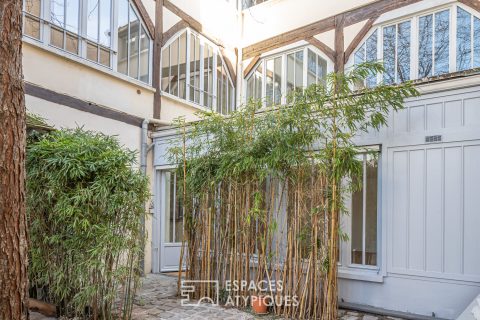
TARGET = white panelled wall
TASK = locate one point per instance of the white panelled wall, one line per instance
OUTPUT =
(429, 209)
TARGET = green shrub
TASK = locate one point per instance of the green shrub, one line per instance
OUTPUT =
(85, 203)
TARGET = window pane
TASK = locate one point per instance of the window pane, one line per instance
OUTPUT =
(299, 69)
(258, 82)
(290, 72)
(208, 76)
(371, 56)
(464, 43)
(122, 59)
(277, 80)
(182, 56)
(321, 69)
(56, 37)
(72, 15)
(476, 42)
(105, 57)
(92, 51)
(57, 13)
(92, 20)
(197, 70)
(105, 23)
(166, 69)
(442, 26)
(357, 222)
(169, 209)
(219, 85)
(403, 47)
(144, 55)
(31, 27)
(192, 66)
(33, 7)
(389, 54)
(269, 82)
(250, 87)
(174, 67)
(371, 210)
(178, 213)
(134, 43)
(311, 68)
(425, 36)
(71, 43)
(359, 55)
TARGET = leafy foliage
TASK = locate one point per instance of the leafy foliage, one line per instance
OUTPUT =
(268, 184)
(85, 202)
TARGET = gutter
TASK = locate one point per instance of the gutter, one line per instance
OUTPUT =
(144, 148)
(384, 312)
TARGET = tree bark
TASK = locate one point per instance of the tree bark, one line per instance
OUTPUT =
(13, 224)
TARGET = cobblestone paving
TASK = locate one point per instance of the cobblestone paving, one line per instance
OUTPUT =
(157, 300)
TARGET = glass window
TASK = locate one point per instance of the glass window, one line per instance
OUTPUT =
(464, 43)
(173, 210)
(98, 31)
(425, 46)
(31, 21)
(205, 70)
(368, 53)
(144, 56)
(364, 213)
(476, 42)
(133, 58)
(389, 53)
(122, 56)
(134, 42)
(316, 68)
(274, 81)
(255, 83)
(294, 70)
(403, 51)
(434, 30)
(65, 14)
(442, 35)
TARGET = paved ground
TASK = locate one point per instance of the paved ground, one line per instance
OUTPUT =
(157, 300)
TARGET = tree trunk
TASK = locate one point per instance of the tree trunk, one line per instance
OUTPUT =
(13, 224)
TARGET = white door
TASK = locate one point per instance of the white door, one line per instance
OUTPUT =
(170, 214)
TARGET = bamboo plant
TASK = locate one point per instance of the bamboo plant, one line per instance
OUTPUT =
(263, 189)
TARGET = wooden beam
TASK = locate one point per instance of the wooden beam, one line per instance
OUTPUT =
(173, 30)
(359, 37)
(183, 15)
(145, 17)
(351, 17)
(288, 37)
(250, 66)
(322, 47)
(339, 43)
(81, 105)
(157, 59)
(474, 4)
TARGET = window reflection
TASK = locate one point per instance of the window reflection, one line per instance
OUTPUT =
(442, 34)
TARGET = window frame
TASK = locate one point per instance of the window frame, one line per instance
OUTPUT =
(283, 54)
(45, 32)
(217, 57)
(347, 268)
(414, 17)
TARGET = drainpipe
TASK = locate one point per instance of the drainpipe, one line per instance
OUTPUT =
(144, 148)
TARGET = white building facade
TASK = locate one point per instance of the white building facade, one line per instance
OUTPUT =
(414, 245)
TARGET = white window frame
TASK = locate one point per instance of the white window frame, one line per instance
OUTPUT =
(414, 18)
(283, 55)
(44, 40)
(216, 54)
(348, 269)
